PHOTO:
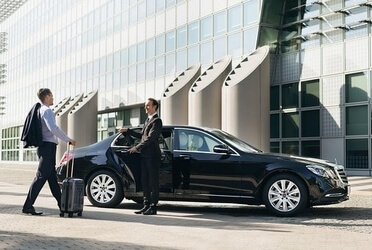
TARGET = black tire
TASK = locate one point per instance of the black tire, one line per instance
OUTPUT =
(104, 189)
(285, 195)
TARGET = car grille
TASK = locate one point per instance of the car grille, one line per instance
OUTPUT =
(342, 174)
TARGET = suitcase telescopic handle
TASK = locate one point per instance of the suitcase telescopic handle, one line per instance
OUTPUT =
(69, 146)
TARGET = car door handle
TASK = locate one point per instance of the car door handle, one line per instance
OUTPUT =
(186, 157)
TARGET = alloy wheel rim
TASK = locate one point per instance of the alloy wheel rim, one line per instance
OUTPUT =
(284, 195)
(103, 188)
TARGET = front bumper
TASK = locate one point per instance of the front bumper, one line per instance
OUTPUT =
(334, 196)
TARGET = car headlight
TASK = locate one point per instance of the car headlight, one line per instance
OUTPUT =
(321, 171)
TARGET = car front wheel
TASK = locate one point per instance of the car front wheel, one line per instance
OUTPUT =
(104, 189)
(285, 195)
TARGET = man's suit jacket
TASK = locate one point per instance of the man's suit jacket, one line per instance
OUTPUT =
(151, 131)
(31, 133)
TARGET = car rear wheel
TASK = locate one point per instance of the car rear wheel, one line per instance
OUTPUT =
(104, 189)
(285, 195)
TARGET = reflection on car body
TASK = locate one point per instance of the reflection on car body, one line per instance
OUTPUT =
(203, 164)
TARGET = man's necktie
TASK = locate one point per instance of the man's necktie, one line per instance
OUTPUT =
(147, 120)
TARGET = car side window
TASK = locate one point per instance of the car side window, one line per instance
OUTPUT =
(124, 140)
(191, 140)
(165, 140)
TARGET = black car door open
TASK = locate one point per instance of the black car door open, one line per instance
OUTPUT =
(133, 161)
(200, 172)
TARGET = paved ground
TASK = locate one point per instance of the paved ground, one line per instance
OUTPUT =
(179, 226)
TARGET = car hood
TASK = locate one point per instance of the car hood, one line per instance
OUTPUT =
(304, 160)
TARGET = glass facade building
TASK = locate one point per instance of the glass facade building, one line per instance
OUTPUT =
(128, 50)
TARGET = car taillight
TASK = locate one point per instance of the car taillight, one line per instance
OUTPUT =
(66, 157)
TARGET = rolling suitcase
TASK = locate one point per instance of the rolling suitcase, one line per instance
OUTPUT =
(72, 198)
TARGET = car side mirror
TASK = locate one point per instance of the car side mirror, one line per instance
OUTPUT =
(224, 149)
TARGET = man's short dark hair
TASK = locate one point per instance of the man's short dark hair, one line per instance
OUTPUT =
(154, 102)
(42, 93)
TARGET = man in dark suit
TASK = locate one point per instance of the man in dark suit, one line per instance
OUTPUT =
(150, 156)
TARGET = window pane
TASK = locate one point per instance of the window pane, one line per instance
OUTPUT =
(141, 72)
(170, 3)
(356, 87)
(170, 64)
(141, 10)
(290, 147)
(267, 36)
(290, 96)
(160, 66)
(290, 125)
(274, 98)
(141, 52)
(181, 37)
(310, 93)
(150, 48)
(274, 147)
(193, 55)
(124, 19)
(310, 123)
(110, 62)
(357, 153)
(274, 126)
(235, 18)
(250, 12)
(181, 60)
(132, 74)
(235, 44)
(310, 149)
(220, 24)
(133, 15)
(160, 5)
(193, 30)
(124, 58)
(357, 120)
(124, 76)
(102, 65)
(150, 5)
(170, 41)
(206, 53)
(116, 79)
(150, 70)
(160, 41)
(219, 48)
(205, 28)
(132, 54)
(117, 60)
(250, 40)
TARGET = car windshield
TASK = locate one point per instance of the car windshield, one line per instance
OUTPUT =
(241, 145)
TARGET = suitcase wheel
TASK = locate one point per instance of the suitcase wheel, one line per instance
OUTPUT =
(70, 214)
(61, 214)
(79, 214)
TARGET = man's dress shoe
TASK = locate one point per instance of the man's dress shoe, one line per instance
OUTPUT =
(150, 211)
(145, 208)
(31, 211)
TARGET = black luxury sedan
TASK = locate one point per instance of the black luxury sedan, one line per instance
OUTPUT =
(209, 165)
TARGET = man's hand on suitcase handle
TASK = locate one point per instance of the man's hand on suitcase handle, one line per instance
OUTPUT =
(72, 142)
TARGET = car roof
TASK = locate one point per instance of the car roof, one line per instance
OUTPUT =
(189, 127)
